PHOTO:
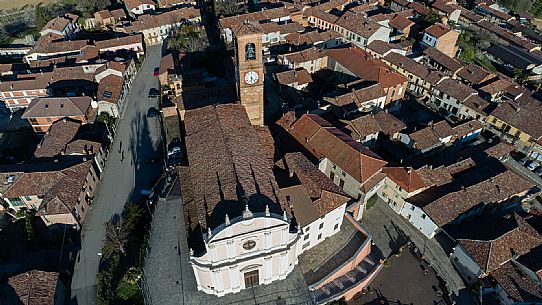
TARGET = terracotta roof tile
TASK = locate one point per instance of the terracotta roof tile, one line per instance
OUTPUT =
(228, 167)
(437, 30)
(406, 178)
(523, 114)
(323, 140)
(30, 288)
(494, 190)
(443, 59)
(58, 107)
(299, 76)
(56, 139)
(517, 285)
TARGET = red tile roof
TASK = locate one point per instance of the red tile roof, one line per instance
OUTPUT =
(437, 30)
(491, 191)
(407, 178)
(322, 139)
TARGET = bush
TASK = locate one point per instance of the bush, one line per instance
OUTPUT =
(371, 201)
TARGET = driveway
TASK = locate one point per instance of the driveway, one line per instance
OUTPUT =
(391, 231)
(137, 139)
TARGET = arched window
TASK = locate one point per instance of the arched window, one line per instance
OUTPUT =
(250, 51)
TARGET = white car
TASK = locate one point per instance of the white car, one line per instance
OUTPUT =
(532, 166)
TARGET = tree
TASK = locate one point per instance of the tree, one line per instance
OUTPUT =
(188, 39)
(116, 235)
(227, 7)
(89, 7)
(431, 18)
(128, 287)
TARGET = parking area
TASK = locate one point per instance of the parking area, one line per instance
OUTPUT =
(406, 280)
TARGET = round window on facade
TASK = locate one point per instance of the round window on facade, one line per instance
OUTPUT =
(249, 244)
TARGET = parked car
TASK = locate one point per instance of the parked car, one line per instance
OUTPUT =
(533, 165)
(538, 171)
(174, 151)
(153, 112)
(524, 161)
(156, 72)
(153, 93)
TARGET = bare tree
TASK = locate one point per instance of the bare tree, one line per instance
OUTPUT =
(195, 44)
(116, 234)
(228, 7)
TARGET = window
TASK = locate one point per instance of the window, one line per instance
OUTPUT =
(16, 201)
(332, 176)
(336, 226)
(412, 208)
(250, 51)
(306, 245)
(456, 259)
(306, 237)
(27, 198)
(341, 183)
(343, 173)
(423, 216)
(249, 245)
(333, 166)
(321, 226)
(319, 236)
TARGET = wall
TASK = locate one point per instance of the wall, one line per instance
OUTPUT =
(331, 224)
(417, 217)
(221, 269)
(350, 185)
(467, 268)
(353, 262)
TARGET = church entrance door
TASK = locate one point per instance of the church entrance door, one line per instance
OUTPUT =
(251, 278)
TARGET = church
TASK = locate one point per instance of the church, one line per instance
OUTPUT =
(242, 227)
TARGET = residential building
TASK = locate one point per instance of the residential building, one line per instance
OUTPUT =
(356, 63)
(517, 121)
(359, 100)
(155, 28)
(298, 79)
(442, 38)
(486, 243)
(326, 39)
(43, 112)
(439, 61)
(51, 47)
(516, 57)
(63, 26)
(349, 164)
(436, 207)
(368, 128)
(400, 184)
(107, 17)
(279, 15)
(459, 100)
(33, 287)
(19, 90)
(139, 7)
(59, 192)
(429, 138)
(354, 27)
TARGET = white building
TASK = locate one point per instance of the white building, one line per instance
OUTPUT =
(139, 7)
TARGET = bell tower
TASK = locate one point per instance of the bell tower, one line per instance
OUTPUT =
(249, 74)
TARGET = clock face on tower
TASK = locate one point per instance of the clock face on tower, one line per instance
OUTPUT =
(251, 77)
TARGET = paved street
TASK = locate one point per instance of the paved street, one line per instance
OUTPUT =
(390, 231)
(139, 139)
(524, 172)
